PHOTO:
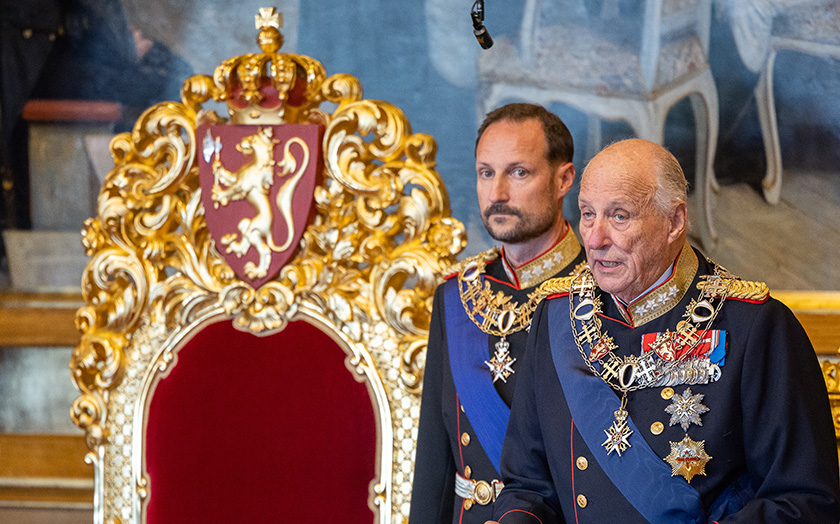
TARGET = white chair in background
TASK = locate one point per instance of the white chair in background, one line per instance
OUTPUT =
(614, 65)
(761, 29)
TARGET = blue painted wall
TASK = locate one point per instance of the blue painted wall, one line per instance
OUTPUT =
(422, 56)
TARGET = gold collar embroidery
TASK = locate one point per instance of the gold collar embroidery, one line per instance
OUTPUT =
(662, 299)
(548, 264)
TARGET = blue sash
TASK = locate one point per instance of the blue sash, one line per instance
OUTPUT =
(487, 412)
(642, 477)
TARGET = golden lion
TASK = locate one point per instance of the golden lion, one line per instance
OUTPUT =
(253, 182)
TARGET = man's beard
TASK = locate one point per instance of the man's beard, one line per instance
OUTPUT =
(528, 227)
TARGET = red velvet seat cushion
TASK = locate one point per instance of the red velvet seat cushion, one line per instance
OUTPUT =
(260, 429)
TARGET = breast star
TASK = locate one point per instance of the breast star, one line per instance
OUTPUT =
(686, 409)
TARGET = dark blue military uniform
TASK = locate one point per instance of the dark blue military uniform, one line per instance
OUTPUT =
(766, 422)
(462, 427)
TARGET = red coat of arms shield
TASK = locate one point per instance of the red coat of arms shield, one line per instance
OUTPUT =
(257, 186)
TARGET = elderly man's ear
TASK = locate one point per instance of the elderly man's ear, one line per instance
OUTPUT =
(679, 222)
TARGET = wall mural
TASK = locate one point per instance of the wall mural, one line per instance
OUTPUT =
(771, 61)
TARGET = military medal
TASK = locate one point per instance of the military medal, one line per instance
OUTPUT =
(618, 434)
(672, 358)
(494, 314)
(500, 364)
(688, 458)
(686, 409)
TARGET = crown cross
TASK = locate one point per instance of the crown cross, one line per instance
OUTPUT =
(269, 17)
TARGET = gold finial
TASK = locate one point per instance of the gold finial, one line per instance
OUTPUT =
(269, 22)
(269, 17)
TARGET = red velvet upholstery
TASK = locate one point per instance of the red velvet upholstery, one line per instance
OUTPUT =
(260, 429)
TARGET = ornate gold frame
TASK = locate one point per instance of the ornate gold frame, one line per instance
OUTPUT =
(819, 313)
(364, 272)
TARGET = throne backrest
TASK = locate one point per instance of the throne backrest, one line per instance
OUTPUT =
(250, 274)
(244, 428)
(647, 26)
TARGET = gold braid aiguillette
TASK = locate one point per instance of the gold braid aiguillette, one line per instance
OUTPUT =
(494, 313)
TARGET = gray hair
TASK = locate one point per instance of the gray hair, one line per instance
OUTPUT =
(671, 185)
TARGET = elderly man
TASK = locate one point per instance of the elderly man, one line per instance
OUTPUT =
(477, 338)
(658, 387)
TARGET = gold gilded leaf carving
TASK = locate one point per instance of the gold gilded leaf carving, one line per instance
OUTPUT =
(366, 266)
(831, 374)
(341, 89)
(265, 309)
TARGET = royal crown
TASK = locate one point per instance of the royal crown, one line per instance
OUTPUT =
(269, 87)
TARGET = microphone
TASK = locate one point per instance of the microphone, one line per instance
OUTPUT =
(479, 30)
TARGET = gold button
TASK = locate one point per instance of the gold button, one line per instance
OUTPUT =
(657, 427)
(468, 504)
(462, 409)
(667, 393)
(465, 439)
(467, 472)
(27, 34)
(582, 463)
(581, 500)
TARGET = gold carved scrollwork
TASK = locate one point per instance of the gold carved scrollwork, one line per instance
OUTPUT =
(259, 310)
(366, 266)
(831, 375)
(341, 89)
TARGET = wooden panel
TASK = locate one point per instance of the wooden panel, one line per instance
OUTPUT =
(51, 456)
(47, 515)
(39, 319)
(44, 469)
(46, 494)
(823, 330)
(819, 313)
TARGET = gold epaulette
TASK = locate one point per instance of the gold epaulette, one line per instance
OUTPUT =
(749, 290)
(743, 289)
(485, 256)
(555, 286)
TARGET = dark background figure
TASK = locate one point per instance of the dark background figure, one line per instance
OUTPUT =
(103, 57)
(72, 50)
(29, 30)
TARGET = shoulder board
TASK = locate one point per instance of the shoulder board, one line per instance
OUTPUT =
(456, 268)
(555, 286)
(749, 290)
(744, 289)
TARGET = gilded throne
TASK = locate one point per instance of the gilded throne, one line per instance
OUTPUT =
(257, 301)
